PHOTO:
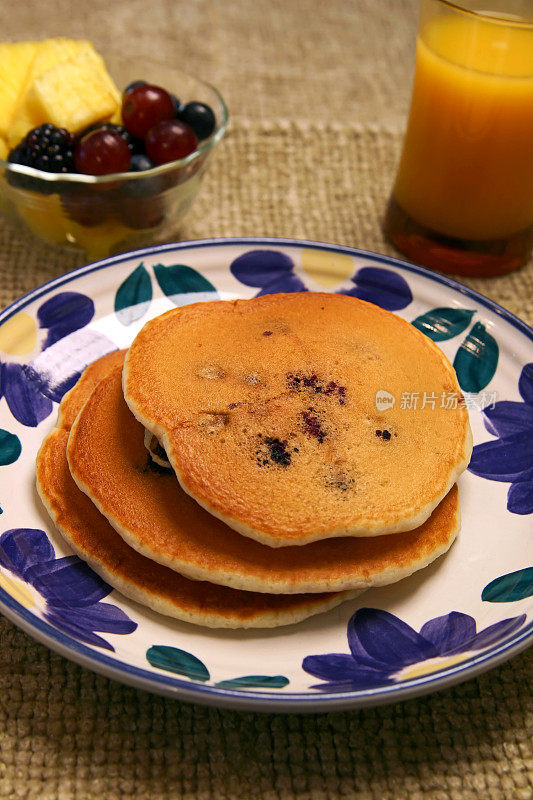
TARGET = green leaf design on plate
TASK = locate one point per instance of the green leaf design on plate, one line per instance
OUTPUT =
(10, 447)
(176, 280)
(179, 661)
(254, 681)
(476, 360)
(443, 323)
(513, 586)
(134, 296)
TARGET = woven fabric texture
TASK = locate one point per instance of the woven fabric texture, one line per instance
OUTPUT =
(284, 169)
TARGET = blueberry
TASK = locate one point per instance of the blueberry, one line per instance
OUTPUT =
(140, 162)
(200, 117)
(147, 186)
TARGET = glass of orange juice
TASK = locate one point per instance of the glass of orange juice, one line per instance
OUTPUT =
(463, 198)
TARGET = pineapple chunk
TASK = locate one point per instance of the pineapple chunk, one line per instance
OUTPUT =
(73, 94)
(3, 149)
(30, 110)
(45, 219)
(66, 49)
(26, 114)
(116, 118)
(20, 127)
(106, 77)
(49, 53)
(15, 62)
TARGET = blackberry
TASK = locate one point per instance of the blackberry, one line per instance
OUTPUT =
(47, 148)
(136, 145)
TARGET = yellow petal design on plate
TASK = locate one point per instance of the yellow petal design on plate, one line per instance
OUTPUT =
(17, 590)
(327, 269)
(429, 665)
(18, 335)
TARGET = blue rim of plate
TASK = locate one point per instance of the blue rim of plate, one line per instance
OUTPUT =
(244, 699)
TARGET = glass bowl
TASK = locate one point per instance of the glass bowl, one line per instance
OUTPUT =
(107, 214)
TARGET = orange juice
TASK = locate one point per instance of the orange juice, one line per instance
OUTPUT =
(466, 170)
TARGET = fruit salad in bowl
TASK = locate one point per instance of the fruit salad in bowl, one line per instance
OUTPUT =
(87, 165)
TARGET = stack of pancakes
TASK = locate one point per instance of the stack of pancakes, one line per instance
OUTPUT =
(234, 469)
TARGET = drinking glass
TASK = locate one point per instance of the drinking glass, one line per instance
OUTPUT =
(463, 198)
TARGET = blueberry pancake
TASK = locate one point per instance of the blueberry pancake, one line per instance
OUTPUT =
(161, 589)
(270, 412)
(147, 507)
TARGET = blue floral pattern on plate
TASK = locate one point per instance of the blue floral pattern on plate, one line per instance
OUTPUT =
(27, 394)
(72, 591)
(383, 648)
(509, 458)
(273, 271)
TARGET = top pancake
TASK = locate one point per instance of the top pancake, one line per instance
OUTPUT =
(267, 411)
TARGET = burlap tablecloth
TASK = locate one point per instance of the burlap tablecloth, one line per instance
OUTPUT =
(318, 94)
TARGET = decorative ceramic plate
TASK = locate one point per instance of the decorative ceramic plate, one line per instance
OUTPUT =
(469, 611)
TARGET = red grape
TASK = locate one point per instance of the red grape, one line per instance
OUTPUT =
(144, 106)
(170, 140)
(102, 152)
(85, 206)
(142, 212)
